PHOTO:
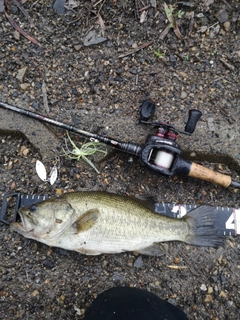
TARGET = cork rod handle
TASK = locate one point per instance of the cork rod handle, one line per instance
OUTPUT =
(200, 172)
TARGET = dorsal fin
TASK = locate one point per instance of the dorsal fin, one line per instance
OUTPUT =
(148, 201)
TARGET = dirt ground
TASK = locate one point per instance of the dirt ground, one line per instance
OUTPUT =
(99, 88)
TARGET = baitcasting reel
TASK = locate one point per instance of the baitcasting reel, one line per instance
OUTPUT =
(161, 153)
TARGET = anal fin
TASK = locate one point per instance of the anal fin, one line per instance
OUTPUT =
(153, 250)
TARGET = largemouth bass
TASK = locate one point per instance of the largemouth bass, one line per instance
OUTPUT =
(93, 223)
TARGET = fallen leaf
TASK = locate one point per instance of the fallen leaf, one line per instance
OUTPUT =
(102, 25)
(143, 16)
(92, 38)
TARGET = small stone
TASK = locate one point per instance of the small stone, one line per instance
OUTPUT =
(48, 264)
(214, 31)
(235, 16)
(16, 35)
(172, 301)
(176, 260)
(78, 47)
(172, 58)
(35, 293)
(61, 299)
(208, 298)
(222, 16)
(222, 294)
(59, 6)
(35, 105)
(183, 74)
(24, 86)
(13, 185)
(2, 6)
(210, 290)
(118, 278)
(10, 165)
(226, 25)
(203, 287)
(138, 262)
(78, 311)
(230, 303)
(24, 151)
(203, 29)
(183, 95)
(21, 73)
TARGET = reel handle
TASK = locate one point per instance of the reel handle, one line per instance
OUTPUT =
(193, 117)
(203, 173)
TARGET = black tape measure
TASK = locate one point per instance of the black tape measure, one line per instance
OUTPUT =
(228, 219)
(227, 222)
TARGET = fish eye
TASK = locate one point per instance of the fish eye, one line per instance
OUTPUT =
(33, 208)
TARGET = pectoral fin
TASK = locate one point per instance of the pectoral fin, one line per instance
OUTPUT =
(153, 250)
(87, 220)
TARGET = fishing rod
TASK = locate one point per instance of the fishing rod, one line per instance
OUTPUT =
(160, 153)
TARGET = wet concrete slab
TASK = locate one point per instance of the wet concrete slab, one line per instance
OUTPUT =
(40, 137)
(219, 146)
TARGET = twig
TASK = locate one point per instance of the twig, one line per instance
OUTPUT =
(165, 32)
(213, 25)
(137, 9)
(25, 13)
(227, 4)
(15, 26)
(34, 4)
(101, 22)
(142, 46)
(136, 81)
(228, 65)
(95, 4)
(45, 99)
(144, 8)
(73, 21)
(177, 267)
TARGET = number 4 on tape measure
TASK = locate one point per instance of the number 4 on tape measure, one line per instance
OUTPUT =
(233, 221)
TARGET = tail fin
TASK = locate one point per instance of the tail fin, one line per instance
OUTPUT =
(202, 230)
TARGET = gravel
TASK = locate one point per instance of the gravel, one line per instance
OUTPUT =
(102, 92)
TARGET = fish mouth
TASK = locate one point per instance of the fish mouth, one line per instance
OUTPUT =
(20, 226)
(17, 226)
